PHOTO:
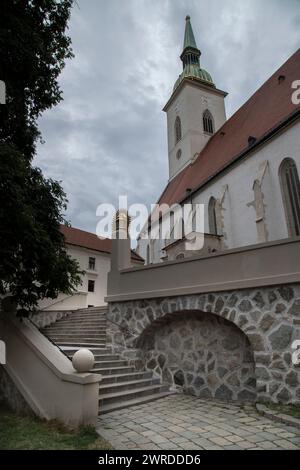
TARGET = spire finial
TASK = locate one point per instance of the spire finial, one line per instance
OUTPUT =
(189, 38)
(190, 58)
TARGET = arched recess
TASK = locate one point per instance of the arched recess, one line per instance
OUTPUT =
(202, 353)
(290, 189)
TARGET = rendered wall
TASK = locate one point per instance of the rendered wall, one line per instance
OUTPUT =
(45, 377)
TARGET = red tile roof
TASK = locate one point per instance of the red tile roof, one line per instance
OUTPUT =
(77, 237)
(264, 111)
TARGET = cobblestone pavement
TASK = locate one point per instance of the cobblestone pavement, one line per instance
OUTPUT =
(185, 422)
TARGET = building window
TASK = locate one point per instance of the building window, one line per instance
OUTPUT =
(180, 256)
(212, 220)
(290, 188)
(92, 263)
(91, 286)
(177, 130)
(208, 124)
(148, 255)
(178, 154)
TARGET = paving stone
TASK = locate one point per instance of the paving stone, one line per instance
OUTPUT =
(180, 422)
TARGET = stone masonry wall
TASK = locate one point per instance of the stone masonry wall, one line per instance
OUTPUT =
(268, 317)
(203, 354)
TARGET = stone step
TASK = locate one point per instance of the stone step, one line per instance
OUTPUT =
(92, 309)
(78, 323)
(105, 389)
(75, 336)
(99, 358)
(127, 377)
(65, 331)
(74, 324)
(81, 344)
(133, 402)
(122, 384)
(114, 363)
(114, 370)
(109, 398)
(83, 316)
(78, 338)
(70, 351)
(82, 327)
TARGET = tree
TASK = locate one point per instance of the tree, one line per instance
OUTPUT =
(34, 262)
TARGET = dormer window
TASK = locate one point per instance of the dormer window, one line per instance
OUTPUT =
(208, 123)
(178, 133)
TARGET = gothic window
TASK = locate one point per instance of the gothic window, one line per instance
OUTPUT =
(208, 124)
(290, 188)
(177, 129)
(212, 220)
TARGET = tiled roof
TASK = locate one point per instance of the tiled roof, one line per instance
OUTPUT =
(77, 237)
(270, 106)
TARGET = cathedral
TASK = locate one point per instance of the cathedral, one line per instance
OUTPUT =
(244, 170)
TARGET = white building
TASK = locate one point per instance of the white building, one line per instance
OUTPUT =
(93, 255)
(245, 170)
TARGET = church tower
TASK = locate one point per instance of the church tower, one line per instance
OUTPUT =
(195, 110)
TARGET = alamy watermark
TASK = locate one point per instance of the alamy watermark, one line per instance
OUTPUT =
(2, 92)
(2, 352)
(296, 93)
(162, 222)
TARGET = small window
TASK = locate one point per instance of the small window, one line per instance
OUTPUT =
(178, 154)
(92, 263)
(180, 256)
(208, 125)
(91, 286)
(178, 133)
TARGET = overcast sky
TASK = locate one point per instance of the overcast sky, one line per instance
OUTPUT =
(108, 136)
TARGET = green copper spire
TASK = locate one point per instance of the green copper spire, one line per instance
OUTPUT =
(191, 59)
(189, 38)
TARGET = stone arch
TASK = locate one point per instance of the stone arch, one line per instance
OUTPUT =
(201, 353)
(267, 316)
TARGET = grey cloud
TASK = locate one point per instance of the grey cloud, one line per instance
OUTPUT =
(108, 136)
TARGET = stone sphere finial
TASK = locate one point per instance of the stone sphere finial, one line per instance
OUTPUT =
(83, 360)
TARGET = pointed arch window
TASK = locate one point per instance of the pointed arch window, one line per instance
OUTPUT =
(290, 188)
(212, 219)
(178, 133)
(208, 122)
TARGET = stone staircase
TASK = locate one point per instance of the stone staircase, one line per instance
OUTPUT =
(121, 385)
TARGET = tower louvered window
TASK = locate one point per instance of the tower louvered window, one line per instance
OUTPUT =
(208, 124)
(178, 133)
